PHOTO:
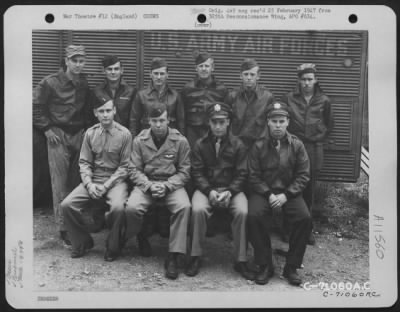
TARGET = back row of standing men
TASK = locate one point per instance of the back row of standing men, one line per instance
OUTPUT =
(221, 127)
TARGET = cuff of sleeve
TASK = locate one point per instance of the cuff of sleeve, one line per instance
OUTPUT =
(268, 194)
(107, 185)
(87, 185)
(233, 191)
(45, 128)
(169, 187)
(86, 182)
(288, 194)
(207, 191)
(146, 187)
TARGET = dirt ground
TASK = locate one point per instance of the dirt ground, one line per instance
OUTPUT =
(340, 254)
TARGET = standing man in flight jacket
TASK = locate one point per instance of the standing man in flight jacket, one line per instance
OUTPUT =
(61, 111)
(198, 94)
(311, 122)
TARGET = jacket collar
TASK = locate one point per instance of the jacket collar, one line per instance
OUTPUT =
(258, 91)
(150, 88)
(173, 135)
(199, 83)
(289, 138)
(317, 90)
(65, 79)
(110, 131)
(106, 87)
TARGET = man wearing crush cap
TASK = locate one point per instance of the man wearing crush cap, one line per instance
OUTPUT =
(198, 94)
(104, 163)
(278, 173)
(249, 103)
(219, 169)
(312, 121)
(116, 88)
(61, 111)
(159, 169)
(158, 91)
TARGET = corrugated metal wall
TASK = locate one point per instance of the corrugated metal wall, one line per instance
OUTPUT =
(340, 57)
(100, 43)
(46, 53)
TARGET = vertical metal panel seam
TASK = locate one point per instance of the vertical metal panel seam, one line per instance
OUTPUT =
(140, 59)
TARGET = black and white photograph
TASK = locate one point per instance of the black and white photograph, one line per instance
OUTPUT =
(217, 160)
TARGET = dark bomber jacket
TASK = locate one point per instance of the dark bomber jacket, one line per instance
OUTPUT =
(197, 96)
(268, 173)
(312, 122)
(228, 170)
(148, 97)
(60, 102)
(122, 100)
(249, 118)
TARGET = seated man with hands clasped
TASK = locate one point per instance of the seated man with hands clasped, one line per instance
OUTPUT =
(160, 168)
(219, 169)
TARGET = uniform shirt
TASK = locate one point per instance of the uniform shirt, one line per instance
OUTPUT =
(286, 170)
(104, 156)
(169, 163)
(59, 101)
(197, 96)
(149, 97)
(311, 122)
(249, 117)
(228, 170)
(122, 99)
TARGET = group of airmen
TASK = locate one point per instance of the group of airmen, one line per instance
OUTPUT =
(192, 152)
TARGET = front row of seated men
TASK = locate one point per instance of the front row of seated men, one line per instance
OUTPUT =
(159, 165)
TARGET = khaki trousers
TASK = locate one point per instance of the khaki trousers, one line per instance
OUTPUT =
(202, 211)
(176, 202)
(62, 163)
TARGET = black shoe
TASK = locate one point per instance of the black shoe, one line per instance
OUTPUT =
(289, 272)
(264, 274)
(144, 246)
(311, 239)
(193, 267)
(171, 267)
(110, 256)
(242, 269)
(64, 237)
(80, 251)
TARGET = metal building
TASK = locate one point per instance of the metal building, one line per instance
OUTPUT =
(340, 56)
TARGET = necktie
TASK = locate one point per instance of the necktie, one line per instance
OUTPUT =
(278, 145)
(217, 147)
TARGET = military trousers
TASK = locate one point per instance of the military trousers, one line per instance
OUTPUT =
(315, 152)
(79, 199)
(177, 202)
(62, 165)
(259, 220)
(202, 211)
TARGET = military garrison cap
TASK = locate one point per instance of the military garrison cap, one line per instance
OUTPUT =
(305, 69)
(219, 110)
(158, 62)
(278, 109)
(157, 110)
(101, 101)
(247, 64)
(202, 56)
(73, 50)
(109, 60)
